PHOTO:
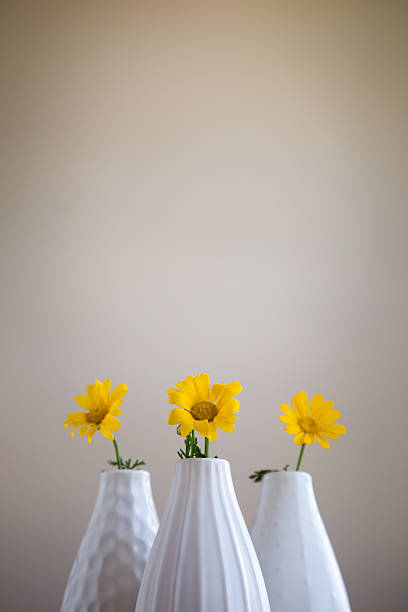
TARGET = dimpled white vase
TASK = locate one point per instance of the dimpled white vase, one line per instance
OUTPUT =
(297, 560)
(108, 568)
(202, 559)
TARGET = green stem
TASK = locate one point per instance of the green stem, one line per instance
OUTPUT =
(207, 447)
(302, 450)
(192, 443)
(118, 460)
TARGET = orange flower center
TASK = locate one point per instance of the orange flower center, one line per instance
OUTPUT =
(97, 414)
(308, 425)
(204, 410)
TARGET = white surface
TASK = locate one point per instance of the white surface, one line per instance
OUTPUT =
(298, 563)
(109, 565)
(203, 559)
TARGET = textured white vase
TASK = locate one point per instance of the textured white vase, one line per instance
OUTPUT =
(202, 559)
(108, 568)
(297, 560)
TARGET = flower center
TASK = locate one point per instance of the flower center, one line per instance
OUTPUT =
(308, 425)
(97, 414)
(204, 410)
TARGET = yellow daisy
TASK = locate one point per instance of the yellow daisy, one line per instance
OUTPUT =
(101, 406)
(314, 422)
(202, 408)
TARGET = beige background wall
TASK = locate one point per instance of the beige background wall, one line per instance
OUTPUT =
(214, 186)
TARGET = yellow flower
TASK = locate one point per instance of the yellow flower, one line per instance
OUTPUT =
(202, 408)
(102, 406)
(314, 422)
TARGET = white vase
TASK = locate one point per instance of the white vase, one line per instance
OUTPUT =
(297, 560)
(203, 559)
(108, 568)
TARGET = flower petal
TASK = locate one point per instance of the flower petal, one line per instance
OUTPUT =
(322, 441)
(117, 394)
(228, 392)
(201, 427)
(226, 415)
(188, 387)
(288, 420)
(224, 424)
(179, 398)
(292, 428)
(93, 392)
(287, 410)
(112, 422)
(83, 429)
(177, 415)
(91, 433)
(202, 384)
(299, 438)
(83, 401)
(187, 425)
(329, 416)
(106, 432)
(300, 403)
(215, 392)
(316, 406)
(105, 390)
(335, 428)
(231, 405)
(212, 432)
(309, 438)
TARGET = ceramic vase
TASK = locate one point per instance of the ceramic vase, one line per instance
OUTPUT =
(202, 559)
(297, 560)
(108, 568)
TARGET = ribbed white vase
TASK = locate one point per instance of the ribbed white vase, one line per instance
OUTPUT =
(203, 559)
(297, 560)
(108, 568)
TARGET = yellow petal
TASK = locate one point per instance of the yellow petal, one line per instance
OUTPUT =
(322, 441)
(309, 438)
(226, 415)
(188, 387)
(77, 417)
(83, 401)
(332, 431)
(215, 392)
(228, 392)
(329, 416)
(299, 438)
(202, 384)
(232, 405)
(224, 424)
(118, 393)
(105, 390)
(93, 392)
(115, 412)
(335, 428)
(179, 398)
(112, 422)
(287, 419)
(316, 406)
(105, 432)
(300, 403)
(186, 426)
(91, 433)
(201, 427)
(287, 410)
(83, 429)
(292, 428)
(177, 416)
(212, 432)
